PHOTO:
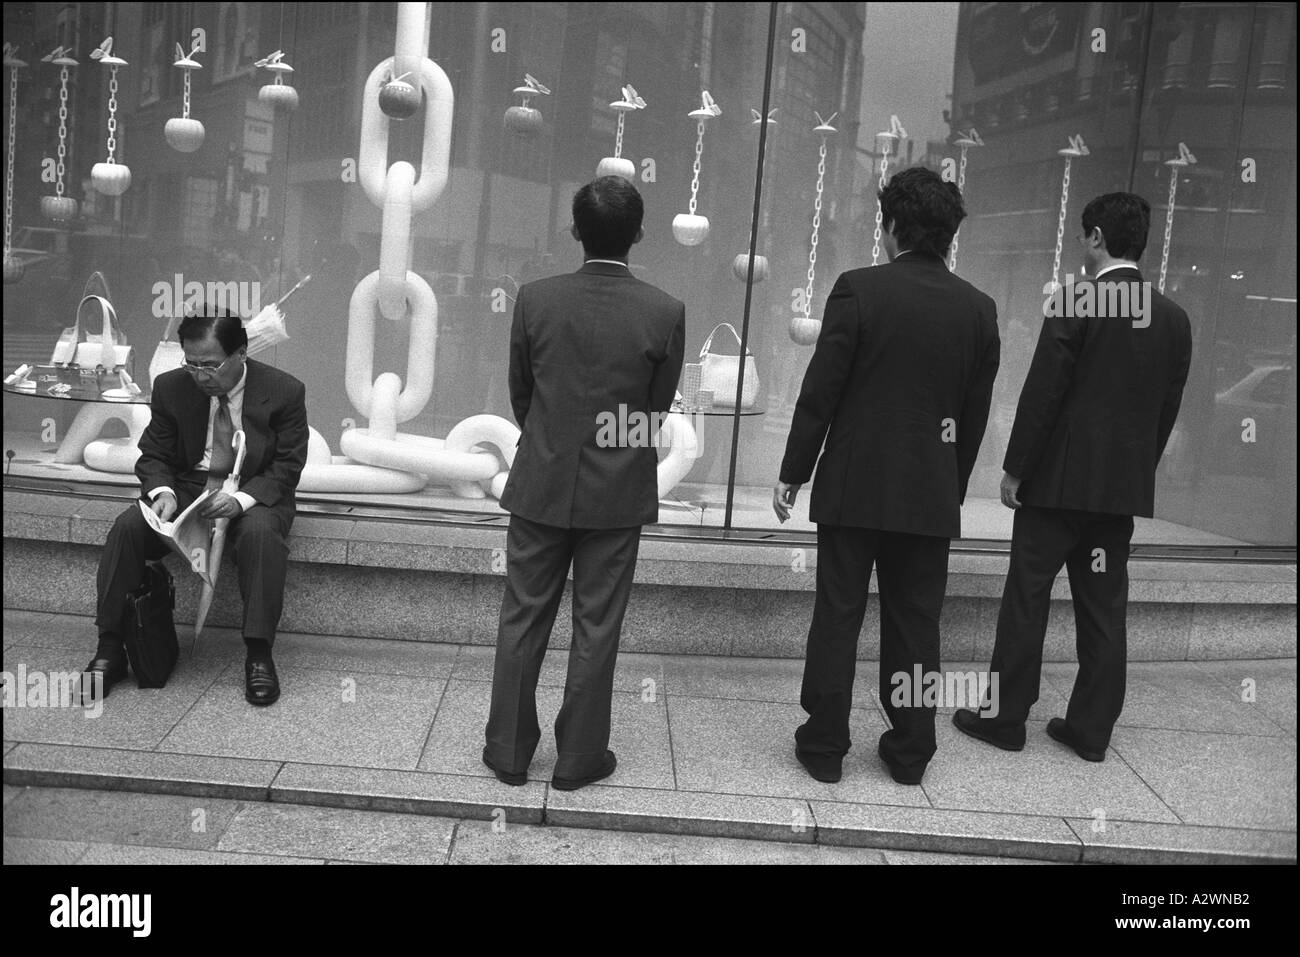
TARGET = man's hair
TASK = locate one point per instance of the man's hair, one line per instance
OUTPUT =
(225, 326)
(923, 211)
(1124, 219)
(608, 212)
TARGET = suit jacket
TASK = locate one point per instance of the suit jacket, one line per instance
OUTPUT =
(583, 345)
(1098, 404)
(899, 388)
(275, 432)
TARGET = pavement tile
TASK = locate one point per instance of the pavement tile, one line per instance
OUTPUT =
(43, 628)
(933, 829)
(479, 843)
(338, 834)
(1219, 780)
(1132, 842)
(335, 653)
(56, 765)
(119, 817)
(638, 736)
(1045, 778)
(113, 854)
(631, 671)
(682, 812)
(924, 857)
(750, 679)
(11, 792)
(35, 850)
(1179, 696)
(417, 792)
(322, 717)
(130, 717)
(747, 747)
(1271, 683)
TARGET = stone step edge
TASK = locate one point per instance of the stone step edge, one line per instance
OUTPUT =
(700, 814)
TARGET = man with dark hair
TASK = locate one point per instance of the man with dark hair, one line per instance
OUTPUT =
(1094, 417)
(187, 448)
(583, 346)
(899, 388)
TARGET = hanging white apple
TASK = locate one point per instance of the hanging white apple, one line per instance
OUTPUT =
(690, 229)
(740, 267)
(111, 179)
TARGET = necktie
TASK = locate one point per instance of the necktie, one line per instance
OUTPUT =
(223, 444)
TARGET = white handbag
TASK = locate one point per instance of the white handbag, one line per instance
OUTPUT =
(107, 350)
(721, 374)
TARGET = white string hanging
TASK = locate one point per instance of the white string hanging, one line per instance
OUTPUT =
(13, 267)
(58, 207)
(965, 142)
(1076, 148)
(1176, 165)
(183, 133)
(688, 228)
(616, 165)
(110, 177)
(886, 141)
(804, 329)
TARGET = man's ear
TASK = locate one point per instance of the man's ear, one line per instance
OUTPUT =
(640, 235)
(573, 231)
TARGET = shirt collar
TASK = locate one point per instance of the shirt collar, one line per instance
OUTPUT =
(236, 393)
(612, 262)
(1123, 264)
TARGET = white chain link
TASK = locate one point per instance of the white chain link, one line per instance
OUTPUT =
(816, 229)
(185, 97)
(9, 171)
(695, 167)
(618, 135)
(112, 116)
(60, 167)
(1169, 226)
(961, 188)
(884, 170)
(1060, 226)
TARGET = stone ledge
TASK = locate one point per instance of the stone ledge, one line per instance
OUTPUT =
(671, 560)
(644, 809)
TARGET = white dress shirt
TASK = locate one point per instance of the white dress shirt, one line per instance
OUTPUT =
(235, 400)
(1124, 264)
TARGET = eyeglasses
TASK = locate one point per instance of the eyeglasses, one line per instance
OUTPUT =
(205, 368)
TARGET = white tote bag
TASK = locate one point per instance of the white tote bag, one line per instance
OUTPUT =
(721, 374)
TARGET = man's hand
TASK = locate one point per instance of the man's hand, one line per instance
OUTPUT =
(1010, 490)
(783, 497)
(221, 505)
(164, 506)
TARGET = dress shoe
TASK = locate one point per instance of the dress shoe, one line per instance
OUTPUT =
(100, 676)
(900, 774)
(513, 778)
(822, 767)
(969, 722)
(261, 685)
(572, 784)
(1060, 731)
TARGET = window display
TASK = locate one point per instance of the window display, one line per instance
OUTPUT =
(373, 209)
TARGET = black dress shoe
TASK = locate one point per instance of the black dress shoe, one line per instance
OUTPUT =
(968, 722)
(900, 774)
(513, 778)
(99, 677)
(261, 684)
(822, 767)
(1060, 731)
(572, 784)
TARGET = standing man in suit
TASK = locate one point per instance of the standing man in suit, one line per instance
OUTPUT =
(1095, 413)
(583, 346)
(899, 388)
(195, 411)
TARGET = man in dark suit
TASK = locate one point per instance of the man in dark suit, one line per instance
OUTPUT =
(583, 347)
(195, 411)
(1095, 413)
(899, 387)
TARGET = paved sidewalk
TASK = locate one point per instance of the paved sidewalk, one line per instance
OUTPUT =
(705, 748)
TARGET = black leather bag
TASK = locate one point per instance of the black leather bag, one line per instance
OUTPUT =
(149, 630)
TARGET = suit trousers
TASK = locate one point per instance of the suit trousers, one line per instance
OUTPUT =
(258, 539)
(1094, 548)
(537, 562)
(913, 574)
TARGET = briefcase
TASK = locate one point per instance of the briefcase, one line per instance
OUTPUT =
(149, 630)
